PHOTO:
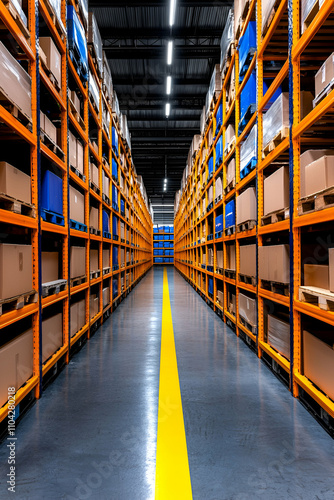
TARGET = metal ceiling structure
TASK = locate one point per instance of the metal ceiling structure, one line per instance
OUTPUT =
(135, 35)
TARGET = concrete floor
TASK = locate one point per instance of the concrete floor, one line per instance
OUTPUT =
(93, 433)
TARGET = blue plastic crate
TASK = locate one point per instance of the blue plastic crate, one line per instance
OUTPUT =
(166, 259)
(166, 229)
(161, 252)
(219, 223)
(105, 221)
(210, 166)
(115, 141)
(247, 46)
(248, 94)
(114, 197)
(159, 260)
(52, 193)
(77, 43)
(115, 256)
(211, 286)
(155, 252)
(122, 206)
(166, 237)
(219, 118)
(166, 244)
(114, 169)
(155, 230)
(171, 252)
(155, 245)
(155, 237)
(219, 152)
(161, 236)
(230, 214)
(114, 225)
(115, 288)
(161, 244)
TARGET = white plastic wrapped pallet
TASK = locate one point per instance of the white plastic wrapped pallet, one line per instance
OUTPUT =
(107, 78)
(94, 39)
(94, 90)
(227, 38)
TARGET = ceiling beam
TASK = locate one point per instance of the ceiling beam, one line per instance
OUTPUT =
(157, 3)
(113, 33)
(126, 80)
(131, 52)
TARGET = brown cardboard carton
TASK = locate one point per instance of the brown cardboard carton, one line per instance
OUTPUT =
(14, 182)
(319, 175)
(53, 57)
(122, 231)
(229, 135)
(80, 157)
(94, 174)
(106, 295)
(263, 263)
(218, 187)
(50, 129)
(305, 159)
(230, 172)
(279, 335)
(74, 327)
(93, 260)
(220, 297)
(72, 149)
(232, 304)
(331, 269)
(41, 120)
(122, 257)
(210, 257)
(94, 217)
(81, 313)
(76, 101)
(106, 258)
(50, 266)
(325, 75)
(52, 335)
(77, 205)
(276, 191)
(316, 275)
(15, 270)
(246, 206)
(77, 261)
(230, 257)
(247, 309)
(279, 263)
(306, 103)
(210, 195)
(248, 260)
(319, 363)
(220, 259)
(204, 259)
(16, 363)
(106, 185)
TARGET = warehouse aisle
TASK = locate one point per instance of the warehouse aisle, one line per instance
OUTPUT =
(93, 435)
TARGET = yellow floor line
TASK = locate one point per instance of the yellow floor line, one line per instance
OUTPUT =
(172, 476)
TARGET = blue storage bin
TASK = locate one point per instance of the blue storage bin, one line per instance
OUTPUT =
(161, 236)
(122, 206)
(219, 118)
(248, 94)
(161, 252)
(114, 195)
(155, 245)
(210, 166)
(166, 259)
(247, 44)
(115, 288)
(171, 252)
(155, 252)
(155, 237)
(115, 141)
(52, 193)
(114, 225)
(105, 221)
(114, 169)
(115, 256)
(161, 244)
(155, 230)
(219, 223)
(161, 229)
(219, 152)
(77, 42)
(211, 286)
(230, 214)
(166, 244)
(166, 229)
(166, 237)
(158, 260)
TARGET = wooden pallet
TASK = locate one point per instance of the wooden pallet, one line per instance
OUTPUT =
(95, 231)
(242, 19)
(17, 206)
(94, 188)
(276, 287)
(10, 7)
(219, 270)
(17, 302)
(229, 187)
(323, 93)
(246, 324)
(246, 226)
(230, 146)
(282, 134)
(93, 275)
(248, 280)
(270, 17)
(230, 273)
(59, 25)
(229, 231)
(311, 15)
(49, 74)
(317, 201)
(53, 287)
(52, 145)
(77, 281)
(14, 110)
(324, 299)
(275, 217)
(78, 173)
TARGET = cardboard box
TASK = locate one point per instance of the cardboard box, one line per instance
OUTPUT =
(331, 269)
(325, 75)
(318, 360)
(15, 270)
(248, 260)
(93, 305)
(305, 159)
(77, 205)
(316, 275)
(220, 259)
(247, 309)
(232, 304)
(53, 57)
(94, 175)
(14, 182)
(81, 313)
(50, 129)
(274, 263)
(210, 257)
(94, 217)
(246, 206)
(16, 363)
(72, 149)
(106, 185)
(122, 230)
(230, 257)
(75, 99)
(218, 187)
(204, 259)
(319, 175)
(122, 257)
(77, 261)
(105, 258)
(50, 266)
(80, 157)
(278, 335)
(52, 335)
(276, 191)
(106, 295)
(229, 135)
(41, 120)
(220, 297)
(230, 172)
(74, 327)
(93, 260)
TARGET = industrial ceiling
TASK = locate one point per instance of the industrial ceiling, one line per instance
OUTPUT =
(135, 37)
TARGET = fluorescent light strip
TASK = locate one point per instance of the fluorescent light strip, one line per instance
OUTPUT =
(170, 52)
(167, 109)
(172, 9)
(169, 85)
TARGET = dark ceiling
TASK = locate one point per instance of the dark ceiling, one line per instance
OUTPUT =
(135, 34)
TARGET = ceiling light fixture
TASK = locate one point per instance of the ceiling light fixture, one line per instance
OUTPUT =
(172, 9)
(167, 109)
(170, 52)
(169, 85)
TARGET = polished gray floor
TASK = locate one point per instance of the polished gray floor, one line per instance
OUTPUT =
(93, 434)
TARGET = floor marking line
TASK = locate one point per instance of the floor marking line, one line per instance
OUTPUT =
(172, 476)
